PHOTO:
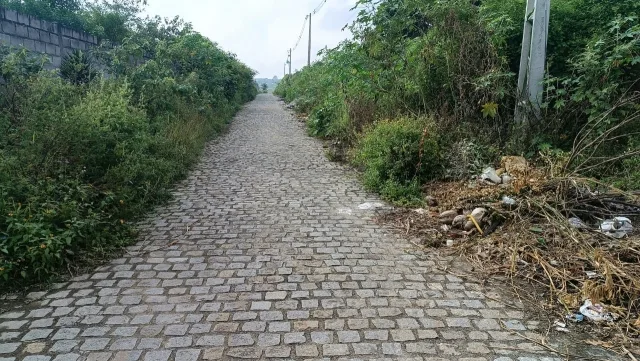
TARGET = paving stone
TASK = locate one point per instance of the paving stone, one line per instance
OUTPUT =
(210, 340)
(321, 337)
(124, 344)
(187, 355)
(402, 335)
(179, 342)
(391, 348)
(251, 353)
(348, 336)
(162, 355)
(134, 355)
(335, 350)
(365, 349)
(420, 348)
(268, 339)
(64, 346)
(294, 337)
(37, 334)
(67, 357)
(36, 358)
(241, 340)
(307, 351)
(35, 347)
(94, 344)
(279, 261)
(99, 356)
(277, 352)
(6, 348)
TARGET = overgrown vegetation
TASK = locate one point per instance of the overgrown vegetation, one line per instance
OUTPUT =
(422, 99)
(108, 19)
(82, 155)
(451, 66)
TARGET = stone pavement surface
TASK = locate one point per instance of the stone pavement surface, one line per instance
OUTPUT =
(265, 254)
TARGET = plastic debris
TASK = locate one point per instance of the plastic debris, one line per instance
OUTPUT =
(447, 217)
(577, 223)
(421, 211)
(369, 205)
(591, 274)
(450, 243)
(506, 179)
(490, 175)
(560, 326)
(576, 317)
(506, 200)
(617, 227)
(596, 312)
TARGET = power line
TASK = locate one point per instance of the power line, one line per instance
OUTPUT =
(304, 26)
(315, 11)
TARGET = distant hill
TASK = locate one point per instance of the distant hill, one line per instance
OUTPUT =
(271, 83)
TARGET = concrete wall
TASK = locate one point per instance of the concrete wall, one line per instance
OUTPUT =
(40, 36)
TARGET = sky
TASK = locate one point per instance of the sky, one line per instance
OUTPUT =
(260, 32)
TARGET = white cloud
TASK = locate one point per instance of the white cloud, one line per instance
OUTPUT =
(260, 32)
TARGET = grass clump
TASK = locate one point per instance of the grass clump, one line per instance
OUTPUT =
(396, 157)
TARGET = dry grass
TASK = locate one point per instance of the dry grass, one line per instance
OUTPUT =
(533, 242)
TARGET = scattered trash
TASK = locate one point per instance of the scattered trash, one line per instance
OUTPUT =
(459, 221)
(478, 214)
(450, 243)
(559, 323)
(506, 179)
(490, 175)
(596, 312)
(617, 227)
(369, 205)
(447, 217)
(577, 223)
(506, 200)
(476, 220)
(591, 274)
(560, 326)
(421, 211)
(576, 317)
(345, 211)
(445, 228)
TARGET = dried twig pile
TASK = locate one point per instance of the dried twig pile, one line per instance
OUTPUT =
(534, 239)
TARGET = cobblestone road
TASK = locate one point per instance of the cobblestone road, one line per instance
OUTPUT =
(265, 254)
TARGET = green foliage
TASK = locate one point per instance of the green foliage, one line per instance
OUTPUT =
(77, 68)
(397, 157)
(455, 61)
(80, 160)
(113, 20)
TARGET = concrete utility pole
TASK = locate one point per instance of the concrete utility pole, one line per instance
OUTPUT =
(289, 61)
(284, 70)
(533, 59)
(309, 51)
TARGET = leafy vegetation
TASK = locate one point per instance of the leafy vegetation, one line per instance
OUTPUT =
(108, 19)
(397, 158)
(82, 156)
(451, 67)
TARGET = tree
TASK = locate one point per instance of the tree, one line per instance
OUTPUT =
(264, 87)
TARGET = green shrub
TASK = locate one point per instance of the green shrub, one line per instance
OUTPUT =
(80, 160)
(397, 157)
(77, 68)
